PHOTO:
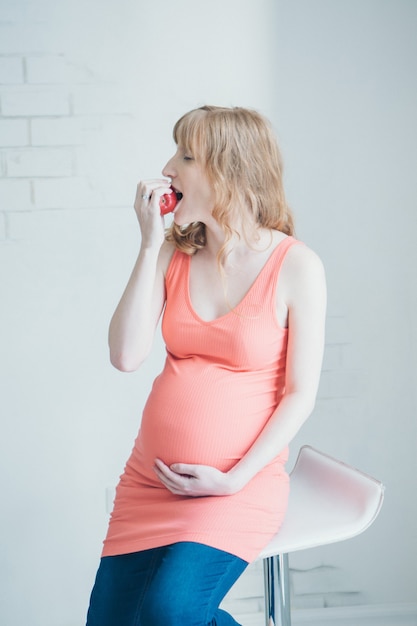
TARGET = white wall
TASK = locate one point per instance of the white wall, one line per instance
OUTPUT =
(88, 97)
(346, 95)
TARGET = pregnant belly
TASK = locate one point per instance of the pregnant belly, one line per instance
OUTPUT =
(211, 417)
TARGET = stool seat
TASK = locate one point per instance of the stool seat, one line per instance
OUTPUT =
(329, 501)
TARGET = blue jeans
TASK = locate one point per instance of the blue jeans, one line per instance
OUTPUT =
(177, 585)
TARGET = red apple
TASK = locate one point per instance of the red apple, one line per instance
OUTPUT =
(169, 201)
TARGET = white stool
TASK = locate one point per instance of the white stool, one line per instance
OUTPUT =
(329, 502)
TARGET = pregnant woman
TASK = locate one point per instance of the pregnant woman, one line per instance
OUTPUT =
(243, 308)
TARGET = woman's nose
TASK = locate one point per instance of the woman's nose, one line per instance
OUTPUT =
(168, 169)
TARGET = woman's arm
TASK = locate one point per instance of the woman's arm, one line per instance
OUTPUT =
(302, 287)
(305, 294)
(134, 321)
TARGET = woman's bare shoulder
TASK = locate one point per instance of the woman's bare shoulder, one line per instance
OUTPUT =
(302, 256)
(302, 270)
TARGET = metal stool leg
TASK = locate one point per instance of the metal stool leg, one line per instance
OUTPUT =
(277, 591)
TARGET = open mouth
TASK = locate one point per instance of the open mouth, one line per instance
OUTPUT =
(178, 197)
(178, 194)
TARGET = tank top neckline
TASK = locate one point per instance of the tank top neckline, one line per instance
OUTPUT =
(241, 303)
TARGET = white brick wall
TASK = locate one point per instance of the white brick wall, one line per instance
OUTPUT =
(64, 193)
(99, 100)
(28, 101)
(14, 132)
(56, 70)
(50, 131)
(27, 36)
(56, 125)
(15, 195)
(36, 163)
(11, 70)
(3, 234)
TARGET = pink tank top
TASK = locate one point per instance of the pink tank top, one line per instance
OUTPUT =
(221, 382)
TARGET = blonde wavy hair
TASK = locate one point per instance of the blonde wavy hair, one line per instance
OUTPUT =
(239, 152)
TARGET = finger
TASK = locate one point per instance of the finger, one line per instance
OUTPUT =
(178, 486)
(166, 474)
(164, 479)
(146, 194)
(185, 469)
(152, 185)
(155, 182)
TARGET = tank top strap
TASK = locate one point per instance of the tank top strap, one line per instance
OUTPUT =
(264, 288)
(177, 271)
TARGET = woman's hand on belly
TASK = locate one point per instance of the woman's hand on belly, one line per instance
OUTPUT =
(185, 479)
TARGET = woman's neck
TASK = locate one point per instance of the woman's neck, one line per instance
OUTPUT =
(256, 240)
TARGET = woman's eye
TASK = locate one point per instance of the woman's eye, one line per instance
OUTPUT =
(188, 158)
